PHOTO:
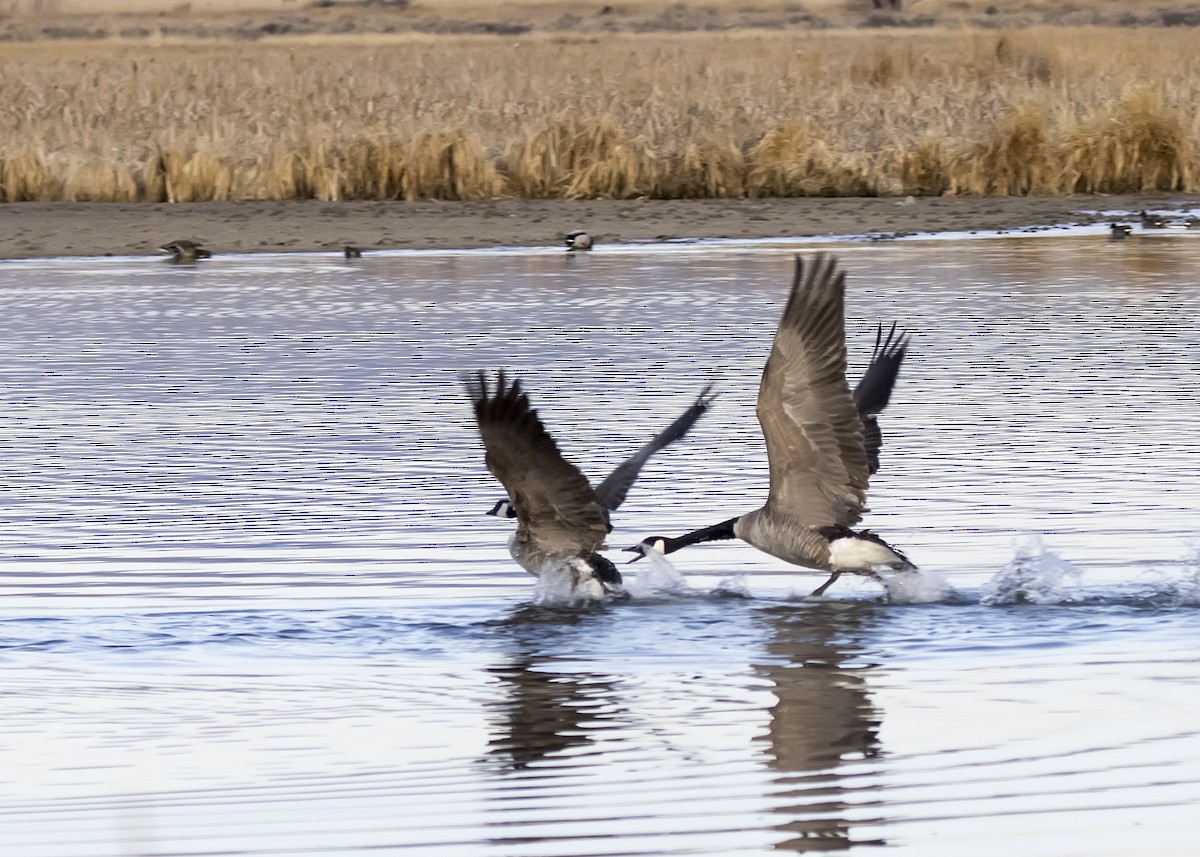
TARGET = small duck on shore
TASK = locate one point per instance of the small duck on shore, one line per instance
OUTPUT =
(1119, 231)
(577, 239)
(185, 251)
(1151, 221)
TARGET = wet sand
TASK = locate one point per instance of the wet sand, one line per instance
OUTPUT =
(38, 230)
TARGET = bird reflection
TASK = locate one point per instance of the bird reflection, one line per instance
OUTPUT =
(822, 719)
(553, 704)
(546, 706)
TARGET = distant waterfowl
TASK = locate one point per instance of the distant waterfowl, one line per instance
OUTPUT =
(561, 523)
(579, 240)
(612, 491)
(352, 252)
(185, 251)
(1151, 221)
(1119, 231)
(822, 440)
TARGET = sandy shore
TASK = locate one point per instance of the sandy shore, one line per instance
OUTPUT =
(36, 230)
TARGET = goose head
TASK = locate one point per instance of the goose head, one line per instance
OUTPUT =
(660, 545)
(503, 509)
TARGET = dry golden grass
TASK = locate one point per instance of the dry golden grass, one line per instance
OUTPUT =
(1035, 111)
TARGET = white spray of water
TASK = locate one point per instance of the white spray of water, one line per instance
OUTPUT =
(916, 587)
(1186, 591)
(733, 587)
(657, 578)
(563, 585)
(1036, 575)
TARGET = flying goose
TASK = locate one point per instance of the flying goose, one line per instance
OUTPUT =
(185, 251)
(561, 523)
(577, 239)
(822, 440)
(612, 491)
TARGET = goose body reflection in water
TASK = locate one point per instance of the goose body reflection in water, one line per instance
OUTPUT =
(823, 719)
(549, 704)
(564, 720)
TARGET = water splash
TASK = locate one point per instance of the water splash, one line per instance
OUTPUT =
(1036, 575)
(733, 587)
(569, 585)
(1185, 592)
(657, 578)
(917, 587)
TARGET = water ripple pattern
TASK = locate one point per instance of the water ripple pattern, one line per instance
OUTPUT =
(251, 603)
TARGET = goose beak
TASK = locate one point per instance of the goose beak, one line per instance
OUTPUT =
(637, 549)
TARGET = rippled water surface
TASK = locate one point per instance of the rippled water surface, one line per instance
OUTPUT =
(250, 604)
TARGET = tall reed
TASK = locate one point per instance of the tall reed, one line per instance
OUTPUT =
(747, 113)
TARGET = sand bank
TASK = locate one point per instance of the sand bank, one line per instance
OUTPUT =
(35, 230)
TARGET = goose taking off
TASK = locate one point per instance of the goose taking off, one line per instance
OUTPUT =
(561, 523)
(612, 491)
(822, 440)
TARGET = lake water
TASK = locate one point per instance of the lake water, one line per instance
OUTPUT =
(250, 603)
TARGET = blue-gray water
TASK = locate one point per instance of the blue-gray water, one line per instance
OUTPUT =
(250, 604)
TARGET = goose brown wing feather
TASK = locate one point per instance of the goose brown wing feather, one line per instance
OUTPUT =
(813, 432)
(555, 504)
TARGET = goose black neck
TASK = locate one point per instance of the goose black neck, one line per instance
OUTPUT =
(716, 532)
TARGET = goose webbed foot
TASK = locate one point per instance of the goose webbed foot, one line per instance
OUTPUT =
(820, 590)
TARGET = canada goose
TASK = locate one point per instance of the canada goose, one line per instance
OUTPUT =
(1118, 231)
(1151, 221)
(579, 240)
(352, 252)
(612, 491)
(822, 440)
(185, 251)
(560, 520)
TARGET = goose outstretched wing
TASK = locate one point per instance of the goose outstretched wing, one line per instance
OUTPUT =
(875, 388)
(554, 502)
(814, 435)
(612, 491)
